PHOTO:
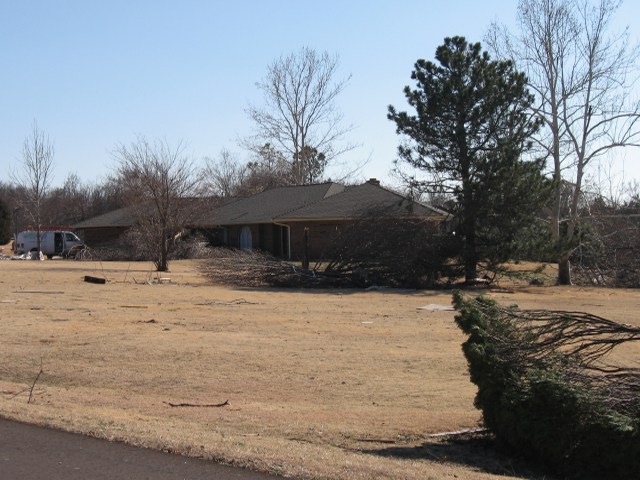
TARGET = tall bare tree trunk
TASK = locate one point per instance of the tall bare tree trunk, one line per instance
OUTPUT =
(470, 252)
(470, 261)
(584, 77)
(35, 176)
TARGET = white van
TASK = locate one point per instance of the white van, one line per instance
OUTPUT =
(52, 242)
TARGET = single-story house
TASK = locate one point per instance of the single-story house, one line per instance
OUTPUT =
(105, 229)
(108, 228)
(275, 220)
(283, 221)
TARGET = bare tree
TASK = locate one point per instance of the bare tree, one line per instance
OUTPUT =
(268, 169)
(224, 175)
(35, 175)
(582, 77)
(300, 118)
(67, 204)
(160, 185)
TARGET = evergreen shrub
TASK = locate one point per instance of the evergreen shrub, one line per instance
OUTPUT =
(546, 392)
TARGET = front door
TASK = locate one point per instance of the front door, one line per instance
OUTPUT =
(246, 242)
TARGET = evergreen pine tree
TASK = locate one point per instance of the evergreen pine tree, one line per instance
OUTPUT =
(469, 132)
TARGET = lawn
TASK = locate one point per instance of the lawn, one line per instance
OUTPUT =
(344, 384)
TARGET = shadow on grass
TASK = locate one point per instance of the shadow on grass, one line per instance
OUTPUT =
(478, 451)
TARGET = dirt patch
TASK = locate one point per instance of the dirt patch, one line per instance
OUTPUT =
(311, 383)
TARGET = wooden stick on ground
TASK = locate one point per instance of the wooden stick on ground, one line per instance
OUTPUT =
(199, 405)
(34, 382)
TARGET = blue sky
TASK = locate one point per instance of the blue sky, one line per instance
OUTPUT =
(97, 73)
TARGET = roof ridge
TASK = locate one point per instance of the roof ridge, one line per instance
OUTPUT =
(361, 197)
(306, 185)
(324, 197)
(334, 184)
(404, 197)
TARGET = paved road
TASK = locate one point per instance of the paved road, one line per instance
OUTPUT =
(34, 453)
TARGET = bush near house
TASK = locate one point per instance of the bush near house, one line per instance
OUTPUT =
(609, 251)
(392, 251)
(545, 390)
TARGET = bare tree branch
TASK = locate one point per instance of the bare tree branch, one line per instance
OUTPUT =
(35, 174)
(582, 76)
(160, 186)
(300, 117)
(33, 385)
(224, 175)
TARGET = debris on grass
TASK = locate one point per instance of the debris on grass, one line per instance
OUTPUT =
(433, 307)
(198, 405)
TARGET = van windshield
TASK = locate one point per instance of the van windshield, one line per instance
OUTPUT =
(70, 237)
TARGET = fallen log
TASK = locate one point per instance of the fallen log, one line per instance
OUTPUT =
(90, 279)
(198, 405)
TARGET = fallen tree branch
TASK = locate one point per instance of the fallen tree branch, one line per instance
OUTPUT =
(41, 292)
(198, 405)
(237, 301)
(547, 386)
(34, 382)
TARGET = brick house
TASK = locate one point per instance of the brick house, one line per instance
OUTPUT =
(276, 220)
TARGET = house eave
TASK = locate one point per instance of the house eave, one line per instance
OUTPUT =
(358, 217)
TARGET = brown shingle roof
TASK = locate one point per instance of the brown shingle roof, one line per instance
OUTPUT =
(271, 204)
(325, 201)
(359, 200)
(122, 217)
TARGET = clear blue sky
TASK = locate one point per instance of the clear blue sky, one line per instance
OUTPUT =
(96, 73)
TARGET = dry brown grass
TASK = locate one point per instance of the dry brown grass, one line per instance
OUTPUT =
(321, 384)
